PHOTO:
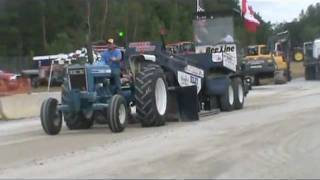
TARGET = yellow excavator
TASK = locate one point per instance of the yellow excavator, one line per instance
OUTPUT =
(261, 63)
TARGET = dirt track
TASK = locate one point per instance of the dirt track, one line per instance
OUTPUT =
(276, 136)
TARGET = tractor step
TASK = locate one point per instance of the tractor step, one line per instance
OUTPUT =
(209, 113)
(100, 106)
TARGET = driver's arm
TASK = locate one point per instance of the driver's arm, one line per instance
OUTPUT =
(118, 56)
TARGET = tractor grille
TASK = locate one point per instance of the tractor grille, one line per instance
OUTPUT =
(78, 79)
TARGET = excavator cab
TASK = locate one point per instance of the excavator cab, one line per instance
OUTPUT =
(272, 60)
(257, 51)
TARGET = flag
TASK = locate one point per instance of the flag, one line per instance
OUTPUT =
(250, 22)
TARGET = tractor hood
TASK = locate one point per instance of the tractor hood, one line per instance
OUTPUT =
(99, 70)
(95, 70)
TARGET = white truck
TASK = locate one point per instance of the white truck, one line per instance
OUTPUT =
(312, 59)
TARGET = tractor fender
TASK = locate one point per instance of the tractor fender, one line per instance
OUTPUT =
(144, 57)
(135, 62)
(148, 57)
(217, 85)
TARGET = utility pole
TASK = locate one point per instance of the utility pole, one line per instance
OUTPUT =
(89, 46)
(88, 18)
(43, 25)
(104, 19)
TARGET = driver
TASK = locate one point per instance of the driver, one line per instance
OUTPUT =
(113, 57)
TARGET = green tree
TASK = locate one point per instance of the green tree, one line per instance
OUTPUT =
(47, 26)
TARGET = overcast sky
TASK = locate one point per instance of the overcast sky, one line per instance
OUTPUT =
(278, 11)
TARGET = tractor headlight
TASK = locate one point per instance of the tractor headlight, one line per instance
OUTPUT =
(99, 85)
(248, 80)
(108, 71)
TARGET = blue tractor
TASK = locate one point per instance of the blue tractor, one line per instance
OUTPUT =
(87, 96)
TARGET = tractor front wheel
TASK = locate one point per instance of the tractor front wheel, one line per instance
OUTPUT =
(51, 119)
(118, 114)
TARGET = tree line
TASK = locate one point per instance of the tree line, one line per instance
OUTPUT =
(37, 27)
(304, 28)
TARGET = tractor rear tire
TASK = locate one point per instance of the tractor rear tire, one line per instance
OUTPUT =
(74, 121)
(238, 93)
(118, 114)
(151, 95)
(51, 119)
(227, 100)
